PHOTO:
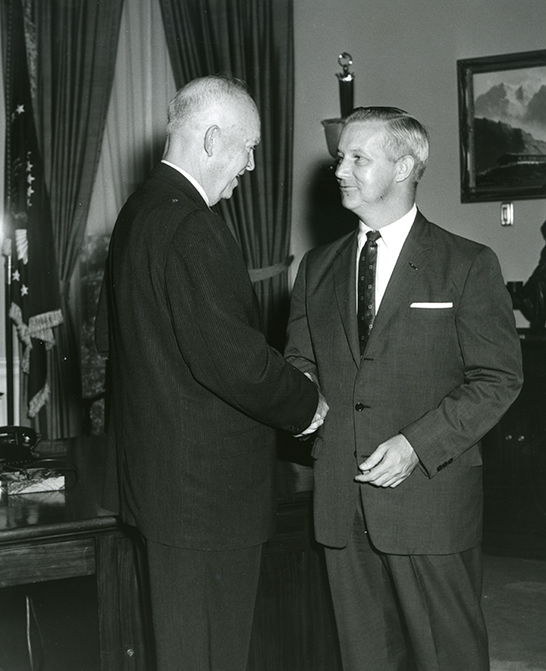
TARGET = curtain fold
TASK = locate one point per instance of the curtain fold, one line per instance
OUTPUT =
(76, 44)
(133, 142)
(134, 135)
(252, 39)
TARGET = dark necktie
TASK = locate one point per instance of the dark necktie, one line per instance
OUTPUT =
(366, 288)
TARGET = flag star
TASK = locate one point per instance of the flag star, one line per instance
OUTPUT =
(30, 191)
(19, 109)
(30, 178)
(16, 276)
(24, 290)
(29, 166)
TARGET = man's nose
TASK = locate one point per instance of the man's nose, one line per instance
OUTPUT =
(341, 168)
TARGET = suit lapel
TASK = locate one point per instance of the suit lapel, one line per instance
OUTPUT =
(344, 272)
(411, 263)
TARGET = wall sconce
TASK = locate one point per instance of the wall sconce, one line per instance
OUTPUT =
(333, 127)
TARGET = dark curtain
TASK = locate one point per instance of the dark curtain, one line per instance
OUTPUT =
(76, 44)
(252, 39)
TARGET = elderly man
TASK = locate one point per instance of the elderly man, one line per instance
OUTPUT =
(196, 392)
(409, 330)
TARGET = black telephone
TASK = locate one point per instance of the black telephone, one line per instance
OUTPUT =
(17, 446)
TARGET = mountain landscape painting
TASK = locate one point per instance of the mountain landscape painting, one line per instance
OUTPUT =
(509, 130)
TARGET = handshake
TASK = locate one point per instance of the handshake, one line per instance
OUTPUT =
(320, 414)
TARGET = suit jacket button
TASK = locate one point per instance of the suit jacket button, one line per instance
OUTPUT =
(359, 407)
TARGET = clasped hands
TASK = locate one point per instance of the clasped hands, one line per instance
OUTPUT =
(320, 414)
(390, 464)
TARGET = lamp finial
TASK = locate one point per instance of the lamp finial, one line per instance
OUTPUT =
(346, 84)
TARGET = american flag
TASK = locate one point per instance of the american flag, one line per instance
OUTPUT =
(28, 233)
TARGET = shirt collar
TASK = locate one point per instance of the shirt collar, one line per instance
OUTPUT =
(393, 235)
(190, 179)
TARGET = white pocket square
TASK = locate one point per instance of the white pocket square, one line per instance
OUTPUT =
(432, 306)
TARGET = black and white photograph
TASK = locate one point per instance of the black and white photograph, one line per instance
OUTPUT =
(272, 335)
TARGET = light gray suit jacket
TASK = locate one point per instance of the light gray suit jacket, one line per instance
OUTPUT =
(441, 374)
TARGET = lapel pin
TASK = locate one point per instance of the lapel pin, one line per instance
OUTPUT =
(412, 265)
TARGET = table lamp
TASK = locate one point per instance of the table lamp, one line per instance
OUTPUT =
(333, 127)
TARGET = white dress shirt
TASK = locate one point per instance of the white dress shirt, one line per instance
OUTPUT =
(389, 246)
(190, 179)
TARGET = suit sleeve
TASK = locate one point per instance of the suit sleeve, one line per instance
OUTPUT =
(491, 356)
(213, 311)
(299, 347)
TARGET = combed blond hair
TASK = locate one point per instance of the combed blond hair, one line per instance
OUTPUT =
(405, 135)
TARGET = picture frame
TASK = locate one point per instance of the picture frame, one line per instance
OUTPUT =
(502, 126)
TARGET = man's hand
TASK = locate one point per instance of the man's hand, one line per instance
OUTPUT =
(318, 419)
(391, 463)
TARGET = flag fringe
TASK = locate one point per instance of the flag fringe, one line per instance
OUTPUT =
(24, 334)
(39, 327)
(38, 401)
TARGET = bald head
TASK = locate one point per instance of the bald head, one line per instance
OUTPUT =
(213, 128)
(205, 98)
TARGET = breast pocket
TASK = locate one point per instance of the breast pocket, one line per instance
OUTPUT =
(431, 310)
(428, 335)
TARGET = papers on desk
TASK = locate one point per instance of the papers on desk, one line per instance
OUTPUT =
(31, 480)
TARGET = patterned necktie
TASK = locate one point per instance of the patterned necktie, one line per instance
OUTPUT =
(366, 288)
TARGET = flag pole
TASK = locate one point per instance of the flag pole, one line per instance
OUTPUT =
(8, 338)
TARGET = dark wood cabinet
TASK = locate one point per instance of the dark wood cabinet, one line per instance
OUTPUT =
(294, 626)
(514, 455)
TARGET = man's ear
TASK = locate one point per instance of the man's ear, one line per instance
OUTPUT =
(210, 139)
(405, 166)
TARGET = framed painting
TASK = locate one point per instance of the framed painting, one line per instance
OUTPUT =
(502, 126)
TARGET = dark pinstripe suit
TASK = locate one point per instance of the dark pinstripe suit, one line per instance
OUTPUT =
(196, 391)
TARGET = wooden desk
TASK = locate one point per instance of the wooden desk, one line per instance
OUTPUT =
(55, 535)
(58, 535)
